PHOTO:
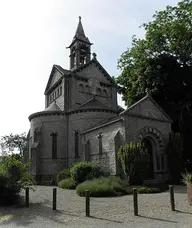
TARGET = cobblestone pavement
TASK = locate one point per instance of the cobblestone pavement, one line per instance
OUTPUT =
(154, 211)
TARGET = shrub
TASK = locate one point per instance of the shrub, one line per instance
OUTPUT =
(134, 160)
(13, 177)
(67, 183)
(147, 190)
(63, 174)
(83, 171)
(103, 187)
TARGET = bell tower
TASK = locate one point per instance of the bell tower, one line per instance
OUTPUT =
(80, 48)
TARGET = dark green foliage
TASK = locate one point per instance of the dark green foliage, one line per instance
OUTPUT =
(162, 62)
(83, 171)
(103, 187)
(134, 159)
(147, 190)
(63, 174)
(174, 155)
(13, 178)
(111, 186)
(67, 183)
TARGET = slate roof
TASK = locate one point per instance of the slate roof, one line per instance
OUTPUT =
(92, 103)
(52, 107)
(80, 34)
(105, 122)
(60, 69)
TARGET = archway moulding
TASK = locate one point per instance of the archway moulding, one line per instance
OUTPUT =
(152, 132)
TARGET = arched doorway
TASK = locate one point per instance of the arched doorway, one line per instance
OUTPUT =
(148, 144)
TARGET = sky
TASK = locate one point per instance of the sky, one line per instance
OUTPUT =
(35, 33)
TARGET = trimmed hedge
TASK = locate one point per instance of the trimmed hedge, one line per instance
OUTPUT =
(67, 183)
(103, 187)
(111, 186)
(83, 171)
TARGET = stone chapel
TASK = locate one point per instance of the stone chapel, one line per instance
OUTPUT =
(83, 122)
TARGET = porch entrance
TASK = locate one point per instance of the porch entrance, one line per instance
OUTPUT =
(149, 146)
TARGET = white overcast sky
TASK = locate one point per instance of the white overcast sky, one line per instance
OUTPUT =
(35, 33)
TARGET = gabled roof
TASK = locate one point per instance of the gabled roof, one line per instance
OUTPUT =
(60, 69)
(92, 103)
(104, 123)
(94, 60)
(52, 107)
(148, 96)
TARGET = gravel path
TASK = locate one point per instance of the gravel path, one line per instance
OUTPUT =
(154, 211)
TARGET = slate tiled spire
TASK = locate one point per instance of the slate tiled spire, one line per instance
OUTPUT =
(80, 34)
(80, 48)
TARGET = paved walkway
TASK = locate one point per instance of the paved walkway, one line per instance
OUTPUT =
(117, 212)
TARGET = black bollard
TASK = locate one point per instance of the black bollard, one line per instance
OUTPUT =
(27, 197)
(172, 199)
(135, 201)
(54, 198)
(87, 203)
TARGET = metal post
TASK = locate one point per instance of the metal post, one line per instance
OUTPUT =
(27, 197)
(54, 198)
(87, 203)
(172, 199)
(135, 201)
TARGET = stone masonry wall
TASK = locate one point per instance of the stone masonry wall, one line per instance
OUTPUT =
(82, 121)
(80, 97)
(49, 124)
(108, 157)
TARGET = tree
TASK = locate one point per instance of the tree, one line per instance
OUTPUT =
(13, 178)
(134, 159)
(11, 143)
(162, 63)
(174, 155)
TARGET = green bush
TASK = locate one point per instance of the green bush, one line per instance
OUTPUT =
(134, 160)
(13, 178)
(67, 183)
(111, 186)
(103, 187)
(63, 174)
(147, 190)
(83, 171)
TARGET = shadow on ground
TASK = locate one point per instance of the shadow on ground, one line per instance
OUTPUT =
(22, 216)
(158, 219)
(180, 189)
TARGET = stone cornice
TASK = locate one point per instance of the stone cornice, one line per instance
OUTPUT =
(45, 113)
(144, 117)
(71, 112)
(54, 86)
(92, 110)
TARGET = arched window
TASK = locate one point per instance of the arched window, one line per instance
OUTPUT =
(54, 144)
(76, 143)
(99, 136)
(87, 89)
(105, 94)
(60, 90)
(81, 88)
(99, 91)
